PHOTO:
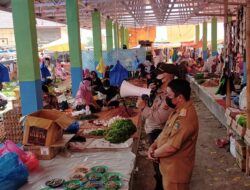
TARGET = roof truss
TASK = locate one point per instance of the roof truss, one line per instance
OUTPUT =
(135, 13)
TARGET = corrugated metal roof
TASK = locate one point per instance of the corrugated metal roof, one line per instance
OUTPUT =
(136, 13)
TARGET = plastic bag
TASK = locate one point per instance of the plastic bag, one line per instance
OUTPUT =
(8, 161)
(243, 99)
(232, 146)
(73, 128)
(28, 158)
(13, 174)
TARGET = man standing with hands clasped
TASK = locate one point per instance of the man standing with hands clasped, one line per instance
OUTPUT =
(175, 146)
(154, 117)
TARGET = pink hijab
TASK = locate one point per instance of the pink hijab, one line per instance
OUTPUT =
(86, 73)
(84, 94)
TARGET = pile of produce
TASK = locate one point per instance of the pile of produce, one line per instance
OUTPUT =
(199, 76)
(211, 82)
(97, 132)
(97, 178)
(242, 120)
(120, 111)
(119, 130)
(115, 130)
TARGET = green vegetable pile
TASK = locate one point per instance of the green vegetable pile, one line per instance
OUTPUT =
(120, 131)
(200, 81)
(97, 133)
(199, 76)
(242, 121)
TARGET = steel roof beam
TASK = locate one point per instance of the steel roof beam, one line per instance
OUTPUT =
(130, 11)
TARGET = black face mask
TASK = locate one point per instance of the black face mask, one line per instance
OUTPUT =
(169, 102)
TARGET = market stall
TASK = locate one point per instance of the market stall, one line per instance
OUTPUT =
(60, 154)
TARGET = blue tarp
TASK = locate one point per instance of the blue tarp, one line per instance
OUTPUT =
(135, 64)
(127, 58)
(118, 74)
(44, 71)
(4, 74)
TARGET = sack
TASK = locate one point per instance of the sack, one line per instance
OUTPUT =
(13, 173)
(73, 128)
(243, 99)
(28, 158)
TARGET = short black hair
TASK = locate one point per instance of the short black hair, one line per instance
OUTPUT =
(166, 68)
(180, 87)
(48, 81)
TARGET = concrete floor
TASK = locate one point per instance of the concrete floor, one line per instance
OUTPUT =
(215, 168)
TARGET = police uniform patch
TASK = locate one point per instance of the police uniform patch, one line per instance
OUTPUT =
(177, 125)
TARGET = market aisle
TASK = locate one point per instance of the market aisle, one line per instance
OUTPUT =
(215, 168)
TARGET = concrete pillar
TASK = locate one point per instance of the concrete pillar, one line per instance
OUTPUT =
(126, 37)
(214, 36)
(122, 29)
(74, 43)
(97, 35)
(27, 55)
(204, 41)
(116, 35)
(109, 34)
(197, 33)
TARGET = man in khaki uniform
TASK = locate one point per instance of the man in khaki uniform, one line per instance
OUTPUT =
(155, 117)
(175, 147)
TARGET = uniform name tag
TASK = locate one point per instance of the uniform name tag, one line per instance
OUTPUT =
(183, 112)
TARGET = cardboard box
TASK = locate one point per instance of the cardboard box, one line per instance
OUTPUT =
(49, 152)
(241, 162)
(45, 127)
(241, 147)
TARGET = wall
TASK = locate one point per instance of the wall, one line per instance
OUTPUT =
(44, 36)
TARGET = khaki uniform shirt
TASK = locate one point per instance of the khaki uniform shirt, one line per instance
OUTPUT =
(156, 116)
(180, 132)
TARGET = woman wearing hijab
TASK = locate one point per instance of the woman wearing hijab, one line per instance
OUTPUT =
(86, 74)
(84, 97)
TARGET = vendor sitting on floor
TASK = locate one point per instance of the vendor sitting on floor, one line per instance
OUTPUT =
(3, 98)
(49, 90)
(96, 81)
(84, 98)
(211, 64)
(108, 95)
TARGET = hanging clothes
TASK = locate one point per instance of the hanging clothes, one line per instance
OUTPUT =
(101, 66)
(4, 74)
(44, 71)
(135, 64)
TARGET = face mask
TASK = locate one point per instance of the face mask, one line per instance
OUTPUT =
(106, 88)
(169, 102)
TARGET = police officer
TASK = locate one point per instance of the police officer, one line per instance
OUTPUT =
(155, 116)
(175, 146)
